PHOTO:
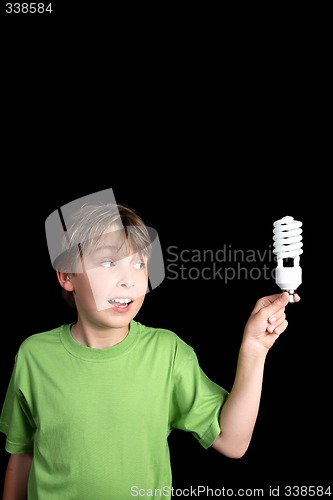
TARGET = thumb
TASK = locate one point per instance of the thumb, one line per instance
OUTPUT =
(272, 303)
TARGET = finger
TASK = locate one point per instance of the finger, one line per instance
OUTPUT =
(274, 325)
(277, 318)
(272, 303)
(281, 328)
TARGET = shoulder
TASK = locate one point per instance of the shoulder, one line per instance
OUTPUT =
(165, 338)
(41, 340)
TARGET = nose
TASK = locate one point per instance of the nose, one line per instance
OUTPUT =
(126, 284)
(125, 279)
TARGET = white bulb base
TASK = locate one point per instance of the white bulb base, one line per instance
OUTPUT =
(288, 279)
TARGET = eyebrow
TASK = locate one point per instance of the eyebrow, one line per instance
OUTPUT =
(115, 249)
(111, 248)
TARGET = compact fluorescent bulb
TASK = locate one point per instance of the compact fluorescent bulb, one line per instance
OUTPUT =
(287, 237)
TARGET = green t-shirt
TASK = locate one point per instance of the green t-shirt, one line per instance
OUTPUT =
(97, 420)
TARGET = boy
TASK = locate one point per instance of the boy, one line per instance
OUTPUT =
(90, 404)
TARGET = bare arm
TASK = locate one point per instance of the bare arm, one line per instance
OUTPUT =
(239, 413)
(16, 478)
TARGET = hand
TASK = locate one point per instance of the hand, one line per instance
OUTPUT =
(268, 319)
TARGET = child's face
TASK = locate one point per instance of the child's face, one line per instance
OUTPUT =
(114, 280)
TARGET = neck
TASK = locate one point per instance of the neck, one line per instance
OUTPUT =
(98, 338)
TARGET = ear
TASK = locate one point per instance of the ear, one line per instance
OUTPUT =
(65, 281)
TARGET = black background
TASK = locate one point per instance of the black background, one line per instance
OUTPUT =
(18, 18)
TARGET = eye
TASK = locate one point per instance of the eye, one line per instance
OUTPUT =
(139, 265)
(107, 263)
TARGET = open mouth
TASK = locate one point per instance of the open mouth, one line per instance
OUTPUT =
(120, 303)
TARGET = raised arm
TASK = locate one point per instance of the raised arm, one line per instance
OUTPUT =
(239, 413)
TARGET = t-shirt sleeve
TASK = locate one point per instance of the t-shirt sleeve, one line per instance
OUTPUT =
(196, 400)
(16, 420)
